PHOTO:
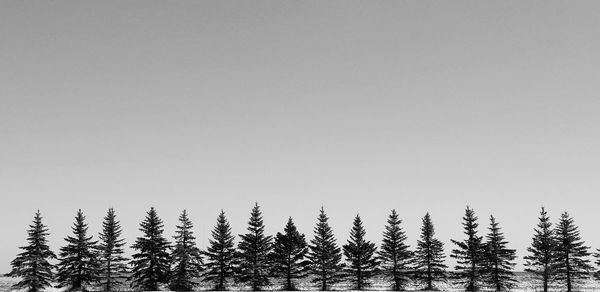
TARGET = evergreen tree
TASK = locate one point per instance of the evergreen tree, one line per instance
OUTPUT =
(499, 259)
(79, 264)
(324, 255)
(220, 255)
(254, 249)
(541, 258)
(429, 256)
(470, 253)
(32, 265)
(597, 273)
(289, 256)
(572, 264)
(394, 254)
(152, 260)
(186, 257)
(113, 265)
(360, 255)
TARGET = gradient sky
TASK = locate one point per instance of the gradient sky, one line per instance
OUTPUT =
(357, 106)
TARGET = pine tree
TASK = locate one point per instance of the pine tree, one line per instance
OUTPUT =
(597, 273)
(571, 254)
(152, 260)
(360, 255)
(541, 258)
(499, 259)
(79, 264)
(254, 249)
(394, 254)
(429, 256)
(220, 255)
(186, 257)
(289, 256)
(32, 265)
(324, 255)
(113, 265)
(470, 253)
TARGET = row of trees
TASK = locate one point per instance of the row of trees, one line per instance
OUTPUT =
(556, 255)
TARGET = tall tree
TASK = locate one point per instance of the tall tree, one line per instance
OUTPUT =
(324, 255)
(572, 264)
(499, 259)
(470, 253)
(113, 265)
(254, 249)
(429, 256)
(152, 260)
(186, 257)
(360, 255)
(79, 264)
(394, 253)
(541, 258)
(289, 256)
(220, 255)
(32, 265)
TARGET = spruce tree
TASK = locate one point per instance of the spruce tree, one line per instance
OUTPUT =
(572, 264)
(186, 257)
(113, 265)
(470, 253)
(152, 260)
(254, 249)
(597, 273)
(79, 264)
(429, 256)
(289, 256)
(394, 253)
(499, 259)
(360, 255)
(32, 265)
(324, 255)
(220, 255)
(541, 258)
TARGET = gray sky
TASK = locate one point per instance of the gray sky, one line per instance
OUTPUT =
(357, 106)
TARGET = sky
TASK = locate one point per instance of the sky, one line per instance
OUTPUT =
(359, 107)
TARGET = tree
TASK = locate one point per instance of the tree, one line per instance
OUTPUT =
(470, 253)
(360, 255)
(541, 258)
(394, 253)
(572, 264)
(220, 255)
(113, 265)
(324, 255)
(597, 273)
(499, 259)
(186, 257)
(254, 249)
(429, 256)
(152, 260)
(289, 256)
(32, 265)
(79, 264)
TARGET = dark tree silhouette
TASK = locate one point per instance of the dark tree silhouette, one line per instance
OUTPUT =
(79, 264)
(289, 256)
(429, 256)
(394, 253)
(220, 255)
(324, 255)
(597, 256)
(360, 255)
(499, 259)
(470, 254)
(541, 259)
(113, 265)
(572, 264)
(32, 265)
(254, 249)
(186, 257)
(152, 260)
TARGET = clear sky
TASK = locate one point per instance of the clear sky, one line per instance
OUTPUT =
(357, 106)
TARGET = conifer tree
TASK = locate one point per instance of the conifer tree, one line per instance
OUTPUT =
(289, 256)
(32, 265)
(499, 259)
(79, 264)
(220, 255)
(572, 264)
(429, 256)
(597, 273)
(113, 265)
(541, 258)
(324, 255)
(152, 260)
(186, 257)
(360, 255)
(394, 253)
(470, 253)
(254, 249)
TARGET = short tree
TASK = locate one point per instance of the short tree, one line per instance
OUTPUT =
(394, 254)
(499, 259)
(572, 264)
(113, 265)
(541, 258)
(254, 249)
(470, 254)
(220, 255)
(360, 255)
(289, 256)
(186, 257)
(324, 255)
(429, 256)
